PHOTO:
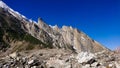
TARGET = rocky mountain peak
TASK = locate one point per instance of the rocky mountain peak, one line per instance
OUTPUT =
(55, 27)
(41, 23)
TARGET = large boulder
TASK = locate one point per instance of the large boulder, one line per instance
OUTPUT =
(85, 57)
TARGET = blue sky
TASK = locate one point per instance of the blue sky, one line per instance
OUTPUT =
(100, 19)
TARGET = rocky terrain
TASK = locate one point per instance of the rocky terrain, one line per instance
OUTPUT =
(58, 58)
(25, 43)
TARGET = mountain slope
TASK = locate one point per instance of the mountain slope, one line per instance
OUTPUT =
(14, 35)
(19, 33)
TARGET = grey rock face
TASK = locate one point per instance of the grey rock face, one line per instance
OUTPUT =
(70, 38)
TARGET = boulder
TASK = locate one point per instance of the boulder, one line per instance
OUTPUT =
(13, 55)
(85, 57)
(30, 62)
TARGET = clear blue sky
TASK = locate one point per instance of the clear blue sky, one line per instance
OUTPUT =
(100, 19)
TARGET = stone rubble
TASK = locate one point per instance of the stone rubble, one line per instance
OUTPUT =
(53, 59)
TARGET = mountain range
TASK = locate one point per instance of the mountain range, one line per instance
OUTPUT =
(17, 30)
(20, 34)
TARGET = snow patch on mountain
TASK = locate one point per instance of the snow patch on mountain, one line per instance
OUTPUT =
(14, 13)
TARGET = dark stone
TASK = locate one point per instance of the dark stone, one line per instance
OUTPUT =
(36, 63)
(67, 60)
(52, 67)
(41, 54)
(91, 61)
(98, 64)
(42, 67)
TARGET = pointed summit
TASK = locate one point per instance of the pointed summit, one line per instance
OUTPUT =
(42, 24)
(40, 20)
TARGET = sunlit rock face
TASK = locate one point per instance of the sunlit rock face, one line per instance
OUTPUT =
(80, 41)
(70, 38)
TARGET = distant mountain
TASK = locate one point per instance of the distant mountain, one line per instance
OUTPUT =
(19, 33)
